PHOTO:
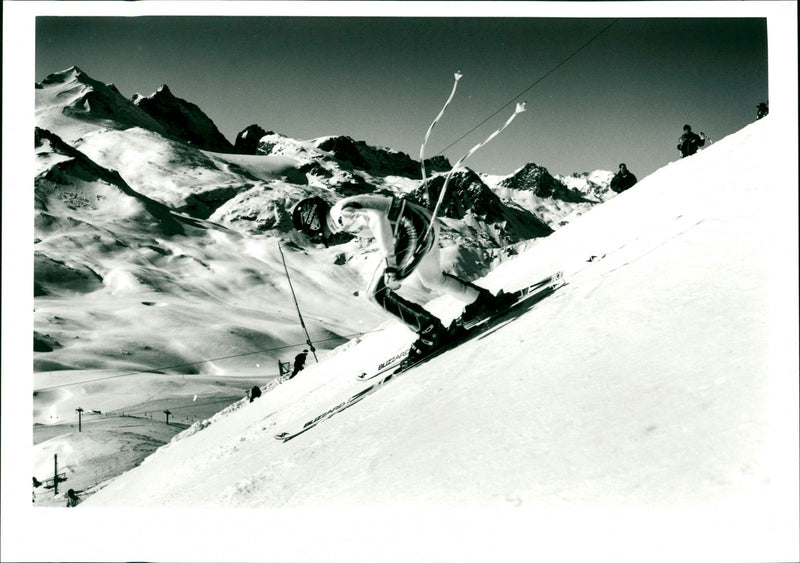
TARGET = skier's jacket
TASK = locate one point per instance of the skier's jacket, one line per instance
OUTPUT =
(689, 143)
(406, 236)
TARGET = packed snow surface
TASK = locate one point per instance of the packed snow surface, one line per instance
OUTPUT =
(643, 405)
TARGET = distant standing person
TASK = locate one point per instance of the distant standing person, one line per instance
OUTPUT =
(690, 141)
(255, 393)
(72, 498)
(299, 363)
(623, 179)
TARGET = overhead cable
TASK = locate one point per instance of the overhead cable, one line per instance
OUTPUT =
(551, 71)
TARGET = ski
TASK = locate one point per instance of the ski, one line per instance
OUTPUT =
(396, 360)
(525, 298)
(392, 368)
(521, 295)
(286, 436)
(384, 366)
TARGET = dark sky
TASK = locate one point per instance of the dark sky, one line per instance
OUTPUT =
(624, 97)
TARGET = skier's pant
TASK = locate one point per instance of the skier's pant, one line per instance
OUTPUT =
(429, 273)
(412, 314)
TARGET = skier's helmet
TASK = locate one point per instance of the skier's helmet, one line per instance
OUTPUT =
(309, 215)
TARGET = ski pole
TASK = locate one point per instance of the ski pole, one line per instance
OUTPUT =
(520, 108)
(457, 77)
(299, 314)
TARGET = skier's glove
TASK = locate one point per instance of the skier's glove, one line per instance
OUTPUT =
(390, 278)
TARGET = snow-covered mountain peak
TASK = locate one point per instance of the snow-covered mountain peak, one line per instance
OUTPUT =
(281, 145)
(538, 180)
(71, 74)
(594, 185)
(74, 94)
(183, 120)
(162, 94)
(71, 80)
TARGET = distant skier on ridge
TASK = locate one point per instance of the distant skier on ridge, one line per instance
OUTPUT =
(690, 141)
(399, 228)
(622, 180)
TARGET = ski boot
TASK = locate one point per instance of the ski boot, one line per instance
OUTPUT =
(431, 337)
(485, 304)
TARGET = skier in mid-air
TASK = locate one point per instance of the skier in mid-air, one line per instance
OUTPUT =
(408, 241)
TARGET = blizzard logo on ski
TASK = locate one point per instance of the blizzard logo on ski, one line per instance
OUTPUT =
(340, 406)
(393, 359)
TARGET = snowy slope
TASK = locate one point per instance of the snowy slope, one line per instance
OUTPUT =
(646, 385)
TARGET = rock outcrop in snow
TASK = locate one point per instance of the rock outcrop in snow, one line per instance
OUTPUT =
(247, 139)
(378, 161)
(538, 181)
(471, 201)
(183, 120)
